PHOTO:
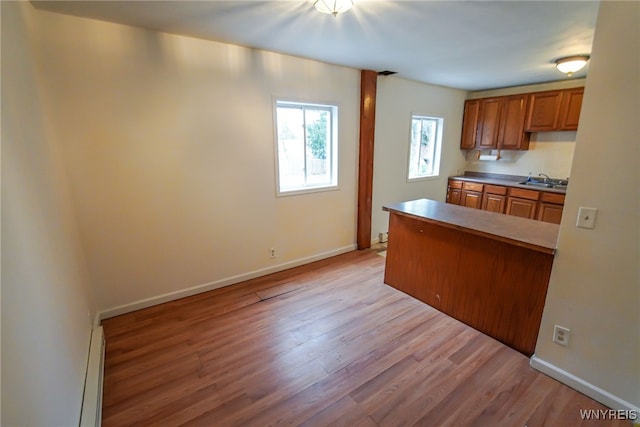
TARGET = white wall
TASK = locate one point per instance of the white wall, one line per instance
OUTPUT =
(595, 283)
(169, 142)
(550, 153)
(46, 310)
(396, 100)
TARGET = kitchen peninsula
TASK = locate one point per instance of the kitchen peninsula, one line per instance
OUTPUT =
(488, 270)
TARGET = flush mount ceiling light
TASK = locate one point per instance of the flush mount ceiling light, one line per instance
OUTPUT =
(333, 7)
(571, 64)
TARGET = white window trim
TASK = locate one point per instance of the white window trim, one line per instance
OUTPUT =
(437, 154)
(335, 149)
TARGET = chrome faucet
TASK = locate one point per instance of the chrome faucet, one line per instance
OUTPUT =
(546, 177)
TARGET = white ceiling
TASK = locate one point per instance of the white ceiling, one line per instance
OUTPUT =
(470, 45)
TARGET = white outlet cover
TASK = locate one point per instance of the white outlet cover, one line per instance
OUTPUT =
(586, 217)
(561, 335)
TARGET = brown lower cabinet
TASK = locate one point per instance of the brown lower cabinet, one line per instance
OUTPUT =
(521, 207)
(549, 212)
(454, 196)
(471, 199)
(533, 204)
(454, 192)
(550, 207)
(472, 195)
(494, 199)
(522, 203)
(494, 203)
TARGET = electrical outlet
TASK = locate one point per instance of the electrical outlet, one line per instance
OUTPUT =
(272, 252)
(561, 335)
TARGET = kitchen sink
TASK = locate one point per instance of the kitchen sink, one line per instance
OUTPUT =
(558, 184)
(537, 184)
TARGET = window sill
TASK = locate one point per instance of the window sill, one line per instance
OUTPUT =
(423, 178)
(309, 190)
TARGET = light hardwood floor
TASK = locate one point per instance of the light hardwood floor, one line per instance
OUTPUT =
(324, 344)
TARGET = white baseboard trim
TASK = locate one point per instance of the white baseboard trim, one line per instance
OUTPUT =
(584, 387)
(171, 296)
(91, 413)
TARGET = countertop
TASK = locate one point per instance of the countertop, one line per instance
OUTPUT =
(536, 235)
(504, 180)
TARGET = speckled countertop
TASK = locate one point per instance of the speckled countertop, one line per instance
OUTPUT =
(536, 235)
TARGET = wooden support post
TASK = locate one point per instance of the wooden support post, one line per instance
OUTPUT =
(368, 81)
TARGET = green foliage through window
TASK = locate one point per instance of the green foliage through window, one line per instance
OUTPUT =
(424, 147)
(306, 146)
(317, 136)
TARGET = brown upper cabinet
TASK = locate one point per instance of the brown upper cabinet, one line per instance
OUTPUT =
(470, 124)
(512, 135)
(544, 110)
(497, 122)
(570, 108)
(554, 110)
(505, 122)
(488, 123)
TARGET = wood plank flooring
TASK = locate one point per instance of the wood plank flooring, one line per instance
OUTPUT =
(323, 344)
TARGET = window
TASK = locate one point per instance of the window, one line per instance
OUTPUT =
(307, 154)
(425, 146)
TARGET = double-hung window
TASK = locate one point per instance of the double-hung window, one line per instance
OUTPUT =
(307, 147)
(424, 147)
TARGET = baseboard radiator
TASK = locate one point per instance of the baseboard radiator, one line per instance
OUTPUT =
(91, 414)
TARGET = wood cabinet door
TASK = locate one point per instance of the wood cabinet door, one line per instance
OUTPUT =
(543, 111)
(493, 203)
(548, 212)
(489, 123)
(521, 207)
(454, 191)
(470, 124)
(512, 135)
(454, 196)
(471, 199)
(570, 108)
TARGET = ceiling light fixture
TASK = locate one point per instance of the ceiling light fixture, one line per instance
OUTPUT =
(333, 7)
(571, 64)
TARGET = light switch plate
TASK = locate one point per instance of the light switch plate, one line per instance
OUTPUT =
(586, 217)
